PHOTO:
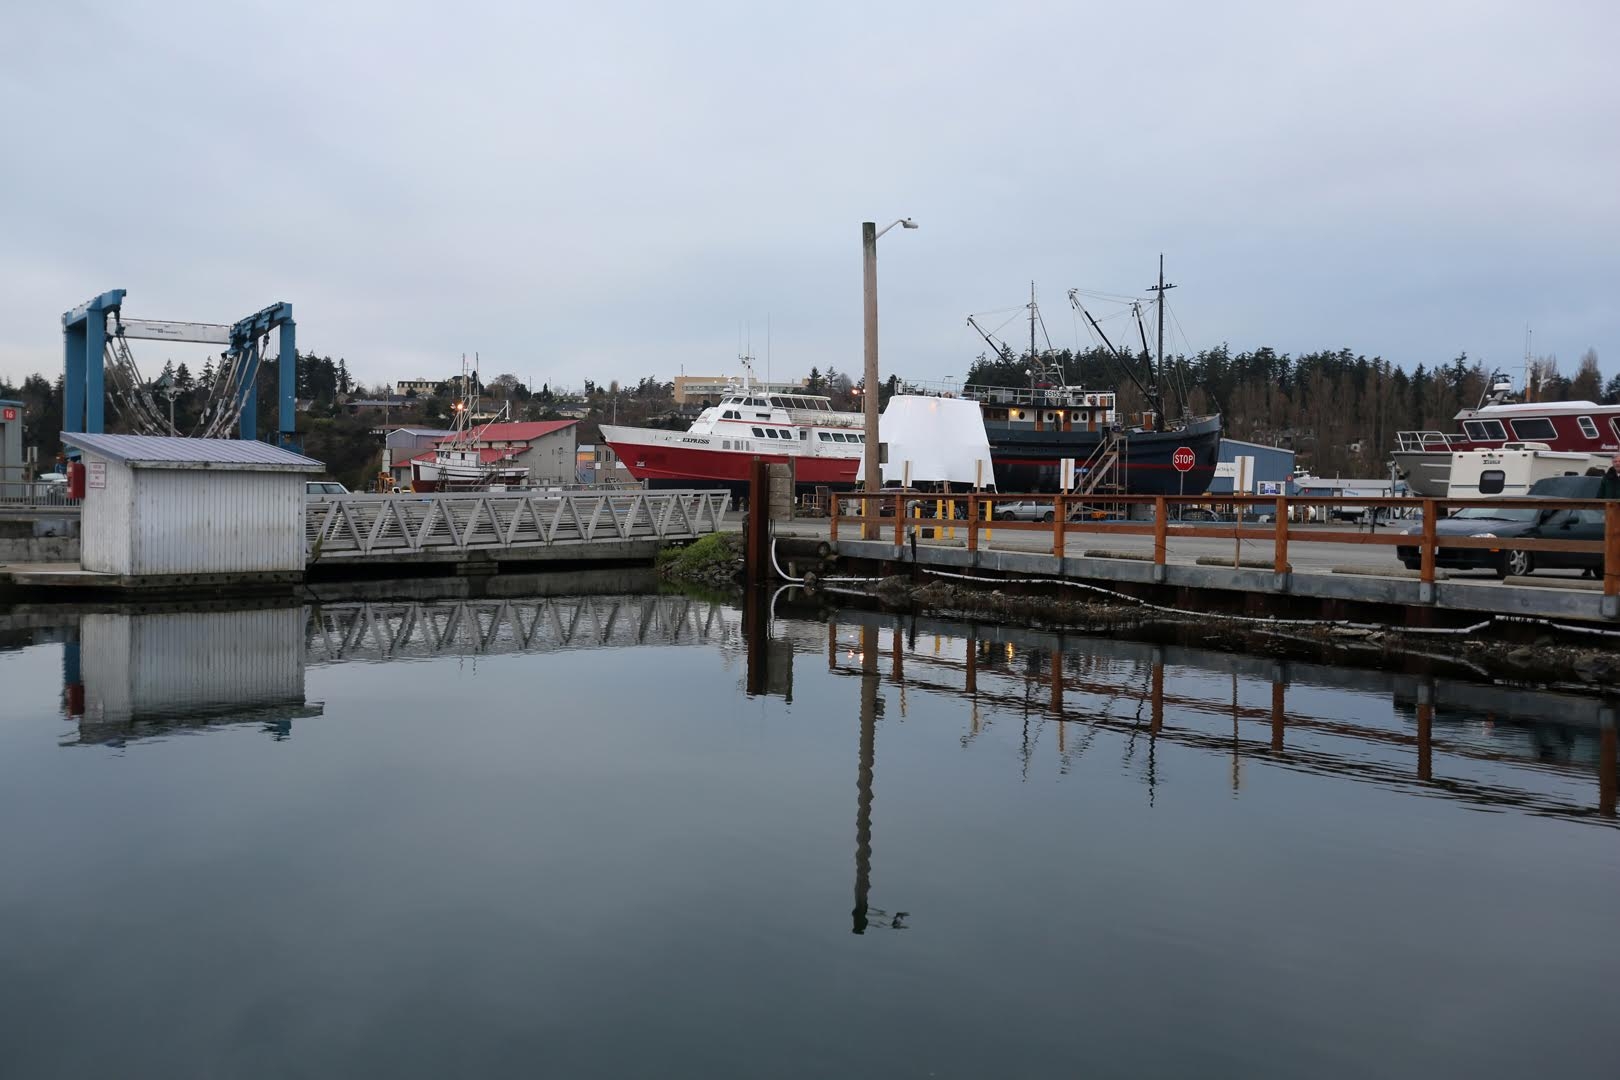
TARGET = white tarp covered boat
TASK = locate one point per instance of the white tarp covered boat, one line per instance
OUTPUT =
(934, 440)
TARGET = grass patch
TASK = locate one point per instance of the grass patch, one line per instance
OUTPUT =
(700, 557)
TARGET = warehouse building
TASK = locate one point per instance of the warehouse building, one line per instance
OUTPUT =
(1246, 468)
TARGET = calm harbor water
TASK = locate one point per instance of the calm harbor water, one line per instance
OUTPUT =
(658, 836)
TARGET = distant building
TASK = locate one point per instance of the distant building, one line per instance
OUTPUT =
(425, 387)
(545, 447)
(697, 388)
(402, 444)
(1318, 487)
(354, 405)
(1258, 469)
(596, 463)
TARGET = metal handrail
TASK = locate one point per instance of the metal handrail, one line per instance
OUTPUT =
(366, 525)
(35, 495)
(1069, 397)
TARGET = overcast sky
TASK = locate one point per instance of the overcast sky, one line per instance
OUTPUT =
(612, 190)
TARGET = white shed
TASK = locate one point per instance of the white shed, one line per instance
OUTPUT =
(164, 505)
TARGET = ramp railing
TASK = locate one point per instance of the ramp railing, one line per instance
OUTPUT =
(359, 526)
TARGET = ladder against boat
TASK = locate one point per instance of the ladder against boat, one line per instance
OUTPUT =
(1104, 472)
(452, 524)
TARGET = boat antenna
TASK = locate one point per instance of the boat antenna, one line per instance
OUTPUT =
(1032, 353)
(1158, 376)
(1527, 360)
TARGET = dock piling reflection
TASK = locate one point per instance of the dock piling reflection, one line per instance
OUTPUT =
(863, 776)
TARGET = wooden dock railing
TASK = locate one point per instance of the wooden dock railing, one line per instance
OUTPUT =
(974, 514)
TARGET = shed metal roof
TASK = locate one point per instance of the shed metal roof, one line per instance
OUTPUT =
(171, 452)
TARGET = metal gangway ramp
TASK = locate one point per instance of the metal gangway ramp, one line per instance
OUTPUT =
(528, 524)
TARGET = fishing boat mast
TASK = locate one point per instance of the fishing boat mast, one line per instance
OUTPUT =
(1158, 375)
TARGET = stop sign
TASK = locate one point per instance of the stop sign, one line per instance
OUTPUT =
(1183, 459)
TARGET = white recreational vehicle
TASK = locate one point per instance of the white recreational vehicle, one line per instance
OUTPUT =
(1511, 469)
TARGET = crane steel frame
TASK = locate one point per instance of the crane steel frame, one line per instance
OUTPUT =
(84, 341)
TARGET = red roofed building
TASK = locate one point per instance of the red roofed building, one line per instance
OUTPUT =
(544, 447)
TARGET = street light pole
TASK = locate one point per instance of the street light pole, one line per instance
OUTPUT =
(869, 392)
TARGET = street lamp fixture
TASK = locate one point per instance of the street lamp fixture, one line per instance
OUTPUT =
(869, 401)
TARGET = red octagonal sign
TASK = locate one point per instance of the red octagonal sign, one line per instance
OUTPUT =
(1183, 459)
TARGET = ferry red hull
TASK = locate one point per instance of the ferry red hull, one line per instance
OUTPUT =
(674, 463)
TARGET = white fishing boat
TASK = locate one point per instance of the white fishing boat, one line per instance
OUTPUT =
(462, 462)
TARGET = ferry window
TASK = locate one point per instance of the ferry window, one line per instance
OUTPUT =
(1491, 482)
(1588, 428)
(759, 433)
(1485, 430)
(1535, 427)
(776, 401)
(857, 438)
(824, 436)
(803, 435)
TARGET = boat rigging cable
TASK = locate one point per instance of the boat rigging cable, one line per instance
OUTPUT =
(227, 394)
(1119, 357)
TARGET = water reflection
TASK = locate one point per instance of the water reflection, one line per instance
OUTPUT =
(1490, 747)
(130, 677)
(135, 675)
(530, 856)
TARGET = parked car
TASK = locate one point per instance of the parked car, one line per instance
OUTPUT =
(1030, 510)
(1582, 524)
(316, 488)
(1512, 522)
(922, 506)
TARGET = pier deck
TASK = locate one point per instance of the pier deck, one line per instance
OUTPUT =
(1277, 568)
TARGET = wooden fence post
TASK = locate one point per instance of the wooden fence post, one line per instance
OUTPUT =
(1430, 509)
(1058, 521)
(1611, 548)
(1279, 560)
(1160, 512)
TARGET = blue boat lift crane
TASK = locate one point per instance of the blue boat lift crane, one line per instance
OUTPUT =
(95, 346)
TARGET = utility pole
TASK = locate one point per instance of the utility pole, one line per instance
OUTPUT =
(1158, 375)
(869, 395)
